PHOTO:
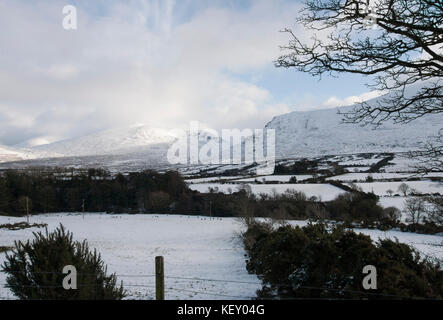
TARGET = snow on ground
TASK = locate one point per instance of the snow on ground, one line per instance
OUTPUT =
(382, 176)
(428, 245)
(359, 162)
(357, 169)
(279, 178)
(398, 202)
(402, 163)
(380, 188)
(324, 191)
(192, 246)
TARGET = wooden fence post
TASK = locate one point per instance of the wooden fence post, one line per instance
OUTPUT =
(159, 278)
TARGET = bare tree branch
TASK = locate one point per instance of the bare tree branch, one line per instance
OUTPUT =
(404, 48)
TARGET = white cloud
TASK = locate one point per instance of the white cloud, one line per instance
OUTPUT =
(348, 101)
(134, 64)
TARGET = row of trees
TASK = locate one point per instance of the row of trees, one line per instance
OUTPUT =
(153, 192)
(425, 209)
(95, 191)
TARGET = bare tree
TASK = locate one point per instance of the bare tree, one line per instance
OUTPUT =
(246, 211)
(392, 213)
(246, 188)
(316, 210)
(415, 209)
(434, 209)
(403, 188)
(430, 158)
(405, 48)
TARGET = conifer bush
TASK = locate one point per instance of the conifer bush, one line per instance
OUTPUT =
(316, 261)
(34, 269)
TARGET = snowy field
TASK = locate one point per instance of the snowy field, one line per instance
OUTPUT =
(358, 169)
(398, 202)
(430, 246)
(349, 177)
(359, 162)
(381, 188)
(402, 163)
(325, 192)
(193, 247)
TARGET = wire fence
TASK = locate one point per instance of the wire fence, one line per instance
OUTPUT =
(151, 287)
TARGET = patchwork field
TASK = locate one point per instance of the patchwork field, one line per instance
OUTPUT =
(381, 188)
(349, 177)
(324, 192)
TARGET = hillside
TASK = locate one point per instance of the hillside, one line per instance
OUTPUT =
(314, 133)
(298, 134)
(114, 141)
(12, 154)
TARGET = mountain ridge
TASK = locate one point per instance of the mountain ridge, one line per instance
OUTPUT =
(298, 134)
(321, 132)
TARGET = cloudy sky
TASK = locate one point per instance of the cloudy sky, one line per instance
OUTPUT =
(162, 63)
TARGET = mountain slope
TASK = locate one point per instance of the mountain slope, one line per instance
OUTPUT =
(14, 154)
(118, 141)
(109, 142)
(314, 133)
(298, 134)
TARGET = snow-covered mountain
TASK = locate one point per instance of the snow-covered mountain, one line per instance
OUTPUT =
(117, 141)
(298, 134)
(314, 133)
(8, 154)
(109, 142)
